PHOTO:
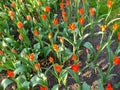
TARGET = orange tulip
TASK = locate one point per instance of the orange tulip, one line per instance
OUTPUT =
(75, 67)
(62, 5)
(31, 57)
(109, 87)
(62, 0)
(20, 37)
(81, 11)
(92, 11)
(98, 47)
(13, 4)
(47, 9)
(74, 57)
(72, 26)
(81, 20)
(58, 68)
(37, 66)
(109, 3)
(36, 33)
(68, 3)
(116, 60)
(43, 16)
(115, 26)
(10, 73)
(11, 13)
(20, 25)
(1, 52)
(55, 22)
(28, 17)
(51, 59)
(43, 88)
(65, 19)
(55, 47)
(118, 35)
(63, 14)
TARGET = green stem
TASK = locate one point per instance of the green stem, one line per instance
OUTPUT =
(74, 36)
(108, 15)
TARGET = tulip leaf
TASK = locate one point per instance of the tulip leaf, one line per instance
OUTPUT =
(21, 78)
(20, 69)
(6, 82)
(90, 47)
(26, 84)
(55, 87)
(74, 75)
(110, 55)
(85, 86)
(100, 85)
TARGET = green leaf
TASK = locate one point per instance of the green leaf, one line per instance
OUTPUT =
(64, 74)
(46, 50)
(20, 69)
(79, 41)
(55, 87)
(110, 55)
(117, 85)
(36, 80)
(6, 82)
(68, 40)
(26, 84)
(102, 75)
(74, 75)
(37, 46)
(85, 86)
(90, 47)
(21, 79)
(100, 85)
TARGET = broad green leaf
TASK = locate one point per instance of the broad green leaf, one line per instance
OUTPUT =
(36, 80)
(26, 85)
(117, 85)
(6, 82)
(21, 78)
(55, 87)
(36, 46)
(74, 75)
(85, 86)
(46, 50)
(43, 76)
(20, 69)
(100, 85)
(9, 40)
(90, 47)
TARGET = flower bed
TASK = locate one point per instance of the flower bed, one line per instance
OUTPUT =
(46, 44)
